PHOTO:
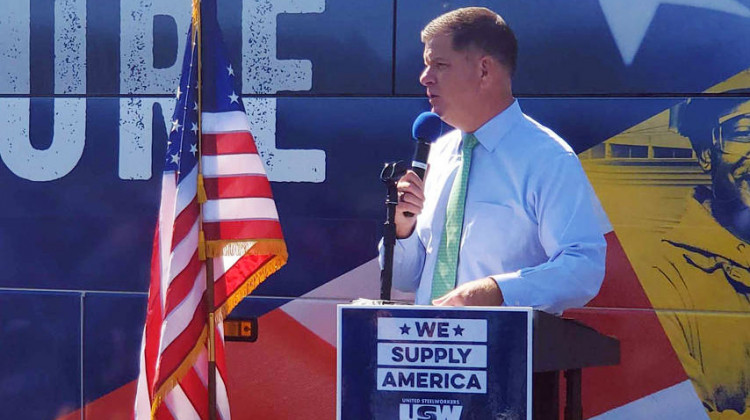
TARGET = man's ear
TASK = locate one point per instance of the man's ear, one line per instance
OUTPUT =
(704, 159)
(484, 66)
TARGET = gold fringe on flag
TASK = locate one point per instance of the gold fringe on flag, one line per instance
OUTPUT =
(180, 372)
(249, 285)
(229, 248)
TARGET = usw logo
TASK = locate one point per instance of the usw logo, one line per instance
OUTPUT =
(429, 412)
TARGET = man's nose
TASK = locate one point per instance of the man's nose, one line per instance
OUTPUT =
(426, 78)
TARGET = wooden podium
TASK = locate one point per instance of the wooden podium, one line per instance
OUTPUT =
(419, 362)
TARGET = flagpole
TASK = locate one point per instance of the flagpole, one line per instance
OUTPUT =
(197, 16)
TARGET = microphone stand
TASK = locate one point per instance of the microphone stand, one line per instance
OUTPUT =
(390, 174)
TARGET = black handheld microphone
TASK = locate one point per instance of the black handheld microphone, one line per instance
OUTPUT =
(427, 128)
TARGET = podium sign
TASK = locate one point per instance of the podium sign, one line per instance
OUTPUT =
(429, 363)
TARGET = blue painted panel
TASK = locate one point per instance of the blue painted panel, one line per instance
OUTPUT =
(358, 135)
(585, 122)
(103, 48)
(255, 306)
(89, 225)
(40, 337)
(113, 328)
(570, 48)
(321, 250)
(350, 46)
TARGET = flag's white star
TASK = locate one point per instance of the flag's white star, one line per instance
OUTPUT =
(233, 98)
(195, 107)
(175, 158)
(193, 149)
(194, 128)
(179, 93)
(230, 70)
(175, 125)
(629, 23)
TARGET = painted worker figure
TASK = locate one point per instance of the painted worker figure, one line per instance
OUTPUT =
(506, 215)
(705, 264)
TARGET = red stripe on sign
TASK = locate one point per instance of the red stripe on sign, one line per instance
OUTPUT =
(243, 229)
(176, 352)
(196, 392)
(228, 143)
(183, 283)
(237, 187)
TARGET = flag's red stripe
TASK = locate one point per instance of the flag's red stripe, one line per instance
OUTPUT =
(228, 143)
(196, 392)
(182, 284)
(153, 317)
(243, 229)
(228, 282)
(237, 187)
(220, 357)
(184, 222)
(180, 347)
(163, 413)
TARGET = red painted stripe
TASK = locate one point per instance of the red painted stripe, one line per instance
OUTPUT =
(177, 351)
(153, 317)
(228, 143)
(182, 284)
(237, 274)
(237, 187)
(243, 229)
(196, 392)
(648, 362)
(298, 367)
(184, 222)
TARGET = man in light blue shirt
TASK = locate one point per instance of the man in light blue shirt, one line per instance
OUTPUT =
(530, 235)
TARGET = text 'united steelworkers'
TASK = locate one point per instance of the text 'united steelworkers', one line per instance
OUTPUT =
(426, 354)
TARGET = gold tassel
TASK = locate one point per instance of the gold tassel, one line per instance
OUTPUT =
(201, 190)
(201, 246)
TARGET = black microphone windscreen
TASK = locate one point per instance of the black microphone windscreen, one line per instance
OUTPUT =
(427, 127)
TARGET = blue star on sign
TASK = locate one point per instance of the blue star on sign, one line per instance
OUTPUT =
(405, 330)
(458, 331)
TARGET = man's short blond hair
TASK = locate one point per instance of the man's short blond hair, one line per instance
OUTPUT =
(477, 27)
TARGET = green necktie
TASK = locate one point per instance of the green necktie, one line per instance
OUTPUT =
(444, 278)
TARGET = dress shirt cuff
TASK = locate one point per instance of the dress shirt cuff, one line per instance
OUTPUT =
(409, 241)
(512, 287)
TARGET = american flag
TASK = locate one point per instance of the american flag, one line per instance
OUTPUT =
(216, 208)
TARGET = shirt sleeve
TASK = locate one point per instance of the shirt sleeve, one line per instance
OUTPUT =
(408, 261)
(559, 196)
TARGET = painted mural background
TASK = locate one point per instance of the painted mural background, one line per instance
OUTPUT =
(331, 91)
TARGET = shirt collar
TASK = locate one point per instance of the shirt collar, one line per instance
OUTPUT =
(492, 132)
